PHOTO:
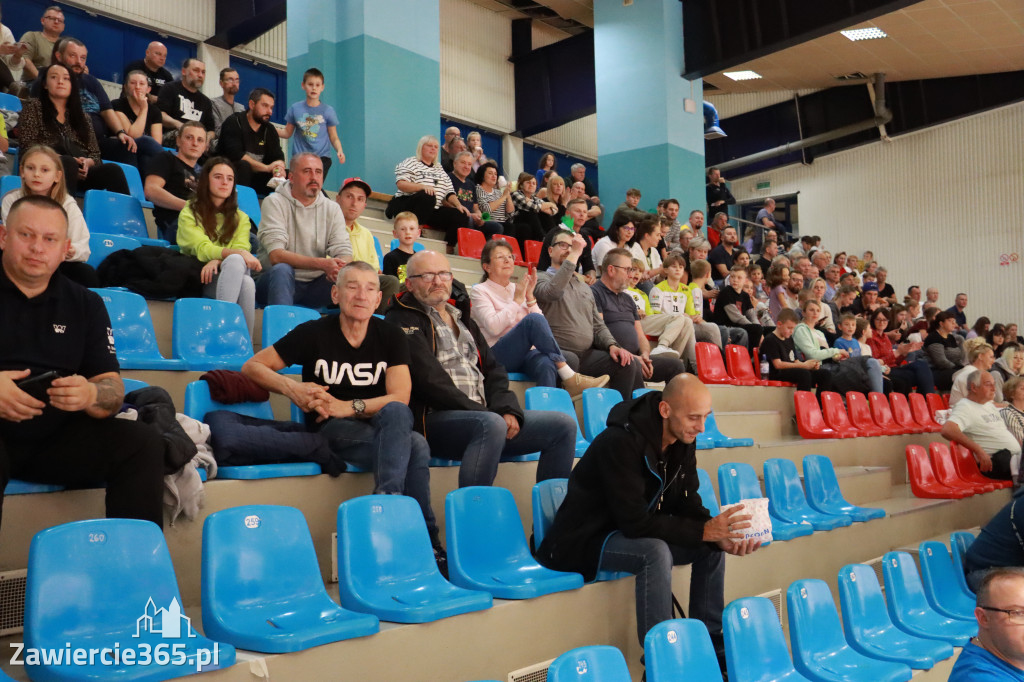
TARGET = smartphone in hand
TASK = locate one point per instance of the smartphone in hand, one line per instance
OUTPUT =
(37, 386)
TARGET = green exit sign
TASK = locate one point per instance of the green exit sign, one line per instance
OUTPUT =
(764, 186)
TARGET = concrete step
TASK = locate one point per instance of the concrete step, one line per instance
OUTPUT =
(766, 424)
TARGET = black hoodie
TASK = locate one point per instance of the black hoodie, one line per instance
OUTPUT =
(626, 484)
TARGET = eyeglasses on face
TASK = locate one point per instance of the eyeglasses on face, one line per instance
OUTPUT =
(561, 245)
(1015, 616)
(431, 277)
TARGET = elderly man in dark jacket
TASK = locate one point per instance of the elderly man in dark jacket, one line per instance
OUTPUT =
(460, 396)
(632, 505)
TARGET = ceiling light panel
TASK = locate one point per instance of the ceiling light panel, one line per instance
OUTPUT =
(865, 33)
(741, 75)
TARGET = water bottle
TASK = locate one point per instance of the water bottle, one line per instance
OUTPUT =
(764, 367)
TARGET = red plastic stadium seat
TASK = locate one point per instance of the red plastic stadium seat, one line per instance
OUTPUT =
(533, 250)
(922, 478)
(967, 466)
(935, 403)
(809, 422)
(882, 415)
(709, 365)
(860, 415)
(948, 475)
(836, 418)
(922, 415)
(513, 244)
(901, 413)
(945, 400)
(737, 360)
(471, 242)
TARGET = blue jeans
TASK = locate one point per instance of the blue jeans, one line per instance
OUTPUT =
(477, 438)
(529, 347)
(278, 286)
(651, 561)
(387, 445)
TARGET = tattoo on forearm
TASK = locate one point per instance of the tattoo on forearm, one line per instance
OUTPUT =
(108, 395)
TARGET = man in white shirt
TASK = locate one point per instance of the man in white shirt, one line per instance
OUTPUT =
(975, 423)
(981, 357)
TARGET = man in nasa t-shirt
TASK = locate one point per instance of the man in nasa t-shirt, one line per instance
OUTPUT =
(355, 388)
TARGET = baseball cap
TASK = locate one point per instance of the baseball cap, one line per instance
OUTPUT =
(870, 286)
(355, 181)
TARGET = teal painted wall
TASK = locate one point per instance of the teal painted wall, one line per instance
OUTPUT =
(660, 172)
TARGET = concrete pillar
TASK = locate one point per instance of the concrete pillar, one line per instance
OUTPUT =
(645, 138)
(216, 58)
(382, 61)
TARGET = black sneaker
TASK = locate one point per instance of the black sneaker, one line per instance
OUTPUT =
(441, 557)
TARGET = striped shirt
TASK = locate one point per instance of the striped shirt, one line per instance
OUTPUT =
(415, 171)
(484, 199)
(458, 355)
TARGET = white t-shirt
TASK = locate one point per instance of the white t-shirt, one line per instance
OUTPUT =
(985, 426)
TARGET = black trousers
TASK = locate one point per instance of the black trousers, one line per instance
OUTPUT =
(103, 176)
(805, 379)
(84, 452)
(422, 204)
(532, 225)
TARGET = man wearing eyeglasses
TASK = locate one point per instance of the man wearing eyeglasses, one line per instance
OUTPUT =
(40, 43)
(460, 396)
(997, 653)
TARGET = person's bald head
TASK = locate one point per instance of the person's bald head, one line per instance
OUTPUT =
(156, 55)
(685, 404)
(428, 276)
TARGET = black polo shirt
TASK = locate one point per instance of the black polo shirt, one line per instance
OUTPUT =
(618, 310)
(66, 328)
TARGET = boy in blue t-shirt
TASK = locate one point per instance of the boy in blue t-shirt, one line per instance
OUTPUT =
(317, 123)
(847, 342)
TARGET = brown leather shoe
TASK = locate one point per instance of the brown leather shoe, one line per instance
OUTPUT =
(576, 385)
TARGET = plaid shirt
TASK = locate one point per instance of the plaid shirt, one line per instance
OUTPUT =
(459, 355)
(524, 205)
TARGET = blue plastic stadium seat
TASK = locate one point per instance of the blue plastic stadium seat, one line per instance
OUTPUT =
(557, 400)
(278, 320)
(786, 497)
(135, 187)
(908, 606)
(9, 183)
(940, 582)
(209, 334)
(124, 593)
(249, 204)
(755, 650)
(416, 247)
(114, 213)
(824, 495)
(133, 385)
(16, 487)
(637, 392)
(597, 404)
(378, 250)
(721, 440)
(519, 376)
(680, 649)
(386, 564)
(707, 492)
(487, 549)
(198, 402)
(261, 584)
(102, 245)
(737, 481)
(134, 336)
(959, 541)
(590, 664)
(819, 650)
(869, 629)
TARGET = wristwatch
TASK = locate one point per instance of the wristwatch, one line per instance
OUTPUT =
(359, 407)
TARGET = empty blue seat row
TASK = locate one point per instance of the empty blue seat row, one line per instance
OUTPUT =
(115, 213)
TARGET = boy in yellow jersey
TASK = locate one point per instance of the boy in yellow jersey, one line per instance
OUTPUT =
(674, 331)
(672, 296)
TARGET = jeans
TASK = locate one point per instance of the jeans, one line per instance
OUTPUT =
(733, 335)
(594, 363)
(278, 286)
(875, 377)
(387, 445)
(530, 347)
(477, 438)
(651, 561)
(234, 284)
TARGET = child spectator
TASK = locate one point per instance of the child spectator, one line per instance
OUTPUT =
(734, 309)
(669, 320)
(643, 303)
(778, 278)
(43, 174)
(311, 117)
(783, 364)
(407, 230)
(700, 274)
(847, 330)
(861, 335)
(213, 229)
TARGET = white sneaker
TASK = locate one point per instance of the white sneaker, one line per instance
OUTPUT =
(664, 350)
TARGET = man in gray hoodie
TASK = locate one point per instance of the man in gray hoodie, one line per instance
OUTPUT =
(303, 240)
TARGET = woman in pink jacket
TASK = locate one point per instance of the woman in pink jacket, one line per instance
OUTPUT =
(514, 326)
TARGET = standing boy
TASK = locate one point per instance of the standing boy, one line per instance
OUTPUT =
(311, 117)
(407, 231)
